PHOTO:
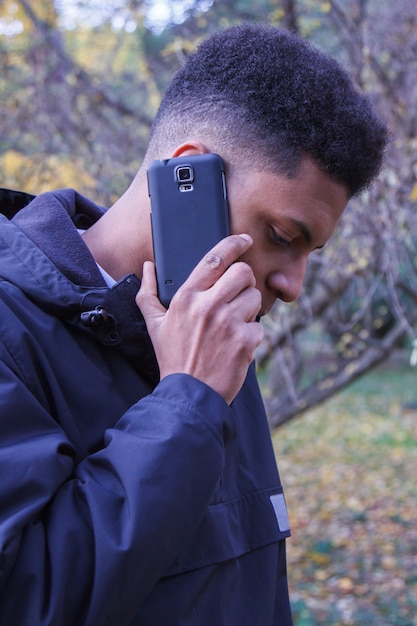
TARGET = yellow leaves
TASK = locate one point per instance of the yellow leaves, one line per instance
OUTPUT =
(327, 383)
(413, 193)
(349, 471)
(349, 348)
(10, 19)
(276, 16)
(40, 173)
(224, 22)
(319, 558)
(345, 584)
(11, 163)
(388, 562)
(178, 47)
(15, 20)
(351, 368)
(358, 265)
(321, 575)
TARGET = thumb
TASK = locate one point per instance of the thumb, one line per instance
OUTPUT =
(147, 296)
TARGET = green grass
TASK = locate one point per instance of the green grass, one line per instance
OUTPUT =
(349, 473)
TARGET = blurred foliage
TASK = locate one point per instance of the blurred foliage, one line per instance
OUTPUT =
(348, 471)
(360, 296)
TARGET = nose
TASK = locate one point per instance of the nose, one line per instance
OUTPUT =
(287, 282)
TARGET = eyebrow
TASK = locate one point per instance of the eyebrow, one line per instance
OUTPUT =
(305, 231)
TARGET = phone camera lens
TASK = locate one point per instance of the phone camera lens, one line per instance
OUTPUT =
(184, 174)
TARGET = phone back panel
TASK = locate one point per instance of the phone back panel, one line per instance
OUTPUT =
(189, 215)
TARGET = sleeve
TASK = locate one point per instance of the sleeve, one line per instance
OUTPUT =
(85, 544)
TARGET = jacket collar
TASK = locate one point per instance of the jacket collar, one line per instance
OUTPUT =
(60, 274)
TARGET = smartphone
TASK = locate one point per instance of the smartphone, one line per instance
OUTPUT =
(189, 215)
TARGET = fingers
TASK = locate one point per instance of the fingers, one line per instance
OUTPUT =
(209, 330)
(246, 305)
(235, 279)
(216, 262)
(148, 284)
(147, 297)
(256, 331)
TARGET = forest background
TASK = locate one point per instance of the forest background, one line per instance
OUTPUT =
(80, 82)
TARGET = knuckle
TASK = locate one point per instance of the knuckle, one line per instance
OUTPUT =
(244, 270)
(182, 296)
(229, 248)
(199, 308)
(245, 340)
(140, 299)
(214, 261)
(205, 311)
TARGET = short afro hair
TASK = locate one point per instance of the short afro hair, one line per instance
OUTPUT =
(263, 96)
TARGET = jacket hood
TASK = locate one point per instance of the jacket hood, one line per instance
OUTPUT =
(42, 253)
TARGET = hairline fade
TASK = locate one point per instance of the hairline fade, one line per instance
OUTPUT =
(261, 95)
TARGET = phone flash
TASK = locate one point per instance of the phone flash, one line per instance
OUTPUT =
(186, 187)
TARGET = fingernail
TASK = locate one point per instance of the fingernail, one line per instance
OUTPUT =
(246, 237)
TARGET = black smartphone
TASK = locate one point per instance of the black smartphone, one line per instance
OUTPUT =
(189, 215)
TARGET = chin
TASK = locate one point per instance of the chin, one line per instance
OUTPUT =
(265, 309)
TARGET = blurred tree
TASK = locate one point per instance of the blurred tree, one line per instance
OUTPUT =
(360, 296)
(83, 95)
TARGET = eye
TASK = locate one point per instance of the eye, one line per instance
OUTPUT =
(277, 239)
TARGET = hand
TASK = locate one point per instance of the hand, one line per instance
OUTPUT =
(210, 329)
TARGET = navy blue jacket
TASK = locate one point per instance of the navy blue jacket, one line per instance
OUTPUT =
(124, 501)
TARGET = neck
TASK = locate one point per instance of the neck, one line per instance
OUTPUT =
(121, 240)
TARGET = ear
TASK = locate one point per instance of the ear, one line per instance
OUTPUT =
(190, 148)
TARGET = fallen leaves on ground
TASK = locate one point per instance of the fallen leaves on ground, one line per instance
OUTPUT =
(349, 473)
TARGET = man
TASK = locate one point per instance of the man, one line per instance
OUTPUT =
(139, 490)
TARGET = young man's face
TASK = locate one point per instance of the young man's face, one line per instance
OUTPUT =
(287, 218)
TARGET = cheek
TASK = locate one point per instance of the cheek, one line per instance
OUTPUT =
(259, 257)
(260, 264)
(241, 223)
